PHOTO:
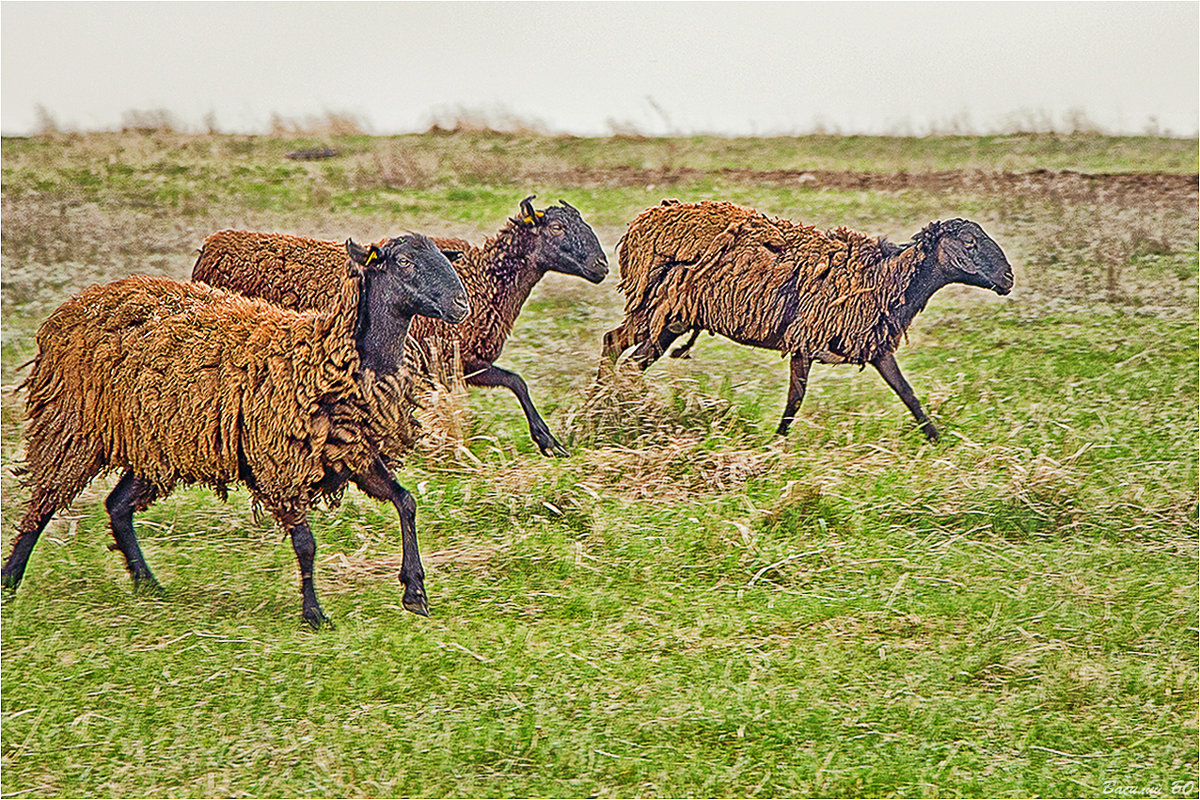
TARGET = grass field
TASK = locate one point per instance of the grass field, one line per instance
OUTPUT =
(686, 606)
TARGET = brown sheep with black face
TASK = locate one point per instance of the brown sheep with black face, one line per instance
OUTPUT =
(831, 296)
(180, 383)
(499, 274)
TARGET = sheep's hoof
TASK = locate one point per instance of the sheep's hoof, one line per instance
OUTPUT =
(549, 445)
(414, 600)
(147, 586)
(316, 618)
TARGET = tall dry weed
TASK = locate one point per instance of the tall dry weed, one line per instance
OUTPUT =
(149, 121)
(678, 469)
(444, 414)
(622, 408)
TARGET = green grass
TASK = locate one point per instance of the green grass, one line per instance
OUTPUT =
(686, 606)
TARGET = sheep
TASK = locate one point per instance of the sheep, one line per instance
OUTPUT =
(837, 296)
(181, 383)
(499, 274)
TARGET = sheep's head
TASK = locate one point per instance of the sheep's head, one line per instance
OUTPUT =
(965, 254)
(565, 243)
(409, 275)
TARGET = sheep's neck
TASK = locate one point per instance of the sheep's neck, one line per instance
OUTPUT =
(381, 333)
(511, 273)
(926, 281)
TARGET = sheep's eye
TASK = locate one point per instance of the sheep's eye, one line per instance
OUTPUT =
(557, 227)
(969, 241)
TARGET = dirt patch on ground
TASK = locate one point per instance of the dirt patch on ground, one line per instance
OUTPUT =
(1066, 183)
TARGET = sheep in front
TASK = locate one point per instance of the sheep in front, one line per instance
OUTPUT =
(499, 275)
(837, 296)
(181, 383)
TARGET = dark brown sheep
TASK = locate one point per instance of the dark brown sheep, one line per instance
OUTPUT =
(183, 383)
(831, 296)
(499, 275)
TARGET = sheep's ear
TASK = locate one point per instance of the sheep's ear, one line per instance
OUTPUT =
(363, 256)
(452, 255)
(528, 215)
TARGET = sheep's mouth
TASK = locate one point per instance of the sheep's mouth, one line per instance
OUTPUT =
(597, 270)
(1004, 286)
(594, 271)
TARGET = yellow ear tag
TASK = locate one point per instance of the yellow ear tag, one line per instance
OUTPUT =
(529, 220)
(540, 214)
(374, 255)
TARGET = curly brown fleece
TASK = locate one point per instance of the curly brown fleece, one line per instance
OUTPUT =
(764, 281)
(300, 273)
(184, 383)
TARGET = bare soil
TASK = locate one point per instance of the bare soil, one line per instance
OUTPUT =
(1067, 183)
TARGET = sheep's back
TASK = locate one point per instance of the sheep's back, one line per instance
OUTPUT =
(291, 271)
(763, 281)
(689, 263)
(669, 234)
(846, 293)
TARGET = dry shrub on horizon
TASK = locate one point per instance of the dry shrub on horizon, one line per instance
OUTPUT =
(494, 119)
(328, 124)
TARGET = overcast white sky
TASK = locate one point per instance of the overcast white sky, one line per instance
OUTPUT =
(735, 68)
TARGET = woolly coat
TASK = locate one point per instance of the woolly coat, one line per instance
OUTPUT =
(184, 383)
(301, 273)
(833, 296)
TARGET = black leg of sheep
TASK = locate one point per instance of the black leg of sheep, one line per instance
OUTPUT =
(890, 370)
(484, 374)
(305, 547)
(381, 484)
(131, 494)
(650, 350)
(616, 341)
(41, 509)
(796, 387)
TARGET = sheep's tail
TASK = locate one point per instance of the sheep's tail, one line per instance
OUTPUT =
(63, 451)
(210, 266)
(196, 268)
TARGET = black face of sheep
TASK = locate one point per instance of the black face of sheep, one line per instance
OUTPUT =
(565, 242)
(965, 254)
(412, 275)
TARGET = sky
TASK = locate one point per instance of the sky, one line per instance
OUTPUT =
(735, 68)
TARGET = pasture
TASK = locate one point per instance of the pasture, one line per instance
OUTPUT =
(687, 605)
